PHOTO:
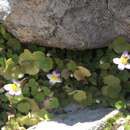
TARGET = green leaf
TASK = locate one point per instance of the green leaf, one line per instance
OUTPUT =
(28, 63)
(2, 62)
(81, 73)
(4, 33)
(26, 56)
(93, 79)
(127, 127)
(104, 65)
(33, 62)
(111, 91)
(14, 99)
(38, 55)
(59, 63)
(11, 70)
(23, 107)
(79, 96)
(52, 103)
(33, 104)
(9, 64)
(120, 105)
(111, 80)
(26, 91)
(28, 120)
(14, 44)
(82, 97)
(30, 68)
(32, 82)
(46, 64)
(39, 96)
(34, 90)
(33, 85)
(124, 75)
(42, 113)
(47, 91)
(119, 45)
(71, 66)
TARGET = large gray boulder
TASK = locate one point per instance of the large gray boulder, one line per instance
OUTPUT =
(86, 119)
(71, 24)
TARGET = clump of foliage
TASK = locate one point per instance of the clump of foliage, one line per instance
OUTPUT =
(119, 121)
(51, 78)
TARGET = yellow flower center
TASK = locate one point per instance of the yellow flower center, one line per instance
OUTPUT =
(14, 87)
(124, 60)
(54, 77)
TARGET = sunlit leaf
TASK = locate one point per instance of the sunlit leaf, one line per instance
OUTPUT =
(79, 96)
(11, 70)
(29, 67)
(120, 105)
(81, 73)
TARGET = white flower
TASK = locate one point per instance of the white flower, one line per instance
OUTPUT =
(13, 89)
(54, 77)
(121, 128)
(98, 101)
(71, 75)
(121, 121)
(21, 128)
(3, 128)
(48, 54)
(122, 62)
(20, 76)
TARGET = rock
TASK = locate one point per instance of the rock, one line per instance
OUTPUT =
(72, 107)
(86, 119)
(71, 24)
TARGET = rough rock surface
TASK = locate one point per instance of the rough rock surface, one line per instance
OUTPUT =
(86, 119)
(68, 24)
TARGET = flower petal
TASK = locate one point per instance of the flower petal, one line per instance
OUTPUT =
(16, 82)
(49, 76)
(20, 76)
(18, 93)
(11, 93)
(52, 82)
(56, 72)
(59, 81)
(7, 87)
(116, 60)
(125, 53)
(127, 66)
(121, 66)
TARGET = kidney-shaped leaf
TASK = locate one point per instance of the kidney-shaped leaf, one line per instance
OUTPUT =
(81, 73)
